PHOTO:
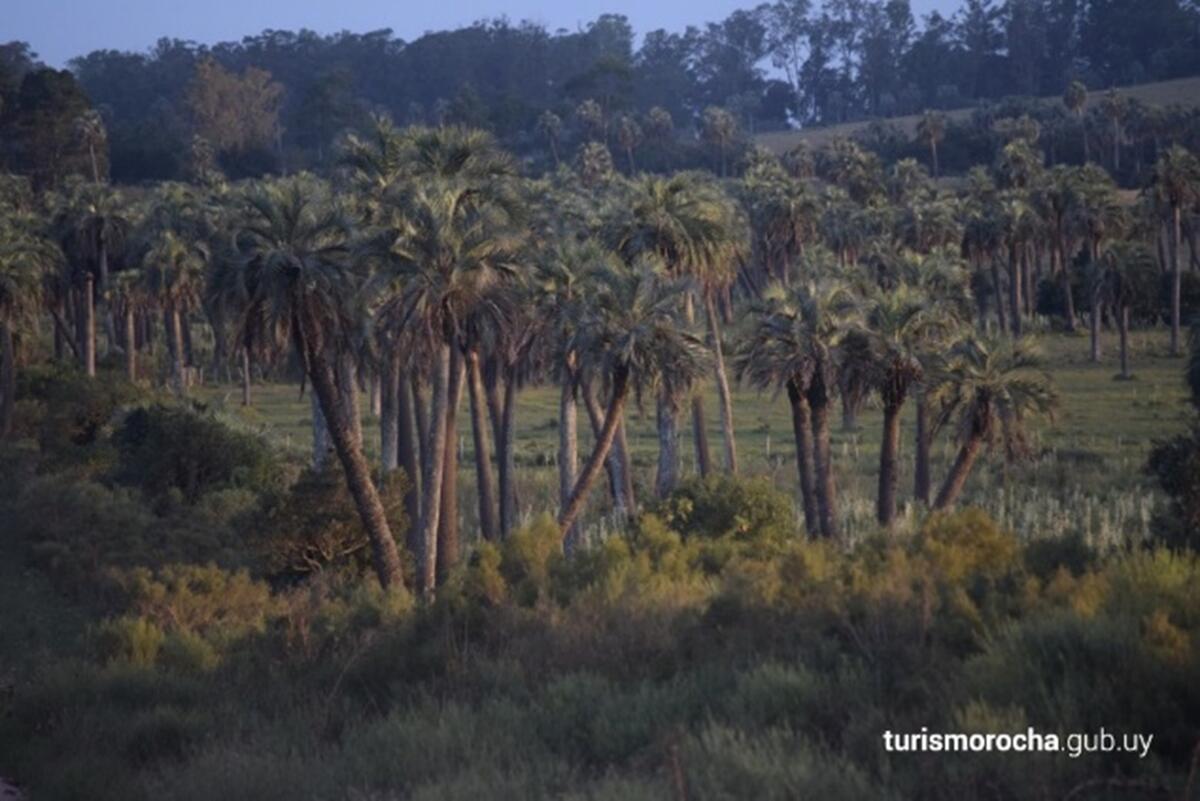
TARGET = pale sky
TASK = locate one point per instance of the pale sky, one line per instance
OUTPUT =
(61, 29)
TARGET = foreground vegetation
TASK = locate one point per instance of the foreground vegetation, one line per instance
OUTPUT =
(173, 641)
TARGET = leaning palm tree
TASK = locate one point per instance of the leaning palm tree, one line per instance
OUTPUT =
(796, 336)
(297, 281)
(991, 387)
(630, 336)
(901, 326)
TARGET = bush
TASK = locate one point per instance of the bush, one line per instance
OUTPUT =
(315, 525)
(78, 411)
(164, 448)
(1175, 464)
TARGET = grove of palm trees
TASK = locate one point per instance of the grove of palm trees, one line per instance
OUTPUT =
(616, 457)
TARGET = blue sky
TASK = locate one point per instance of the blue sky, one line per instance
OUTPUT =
(61, 29)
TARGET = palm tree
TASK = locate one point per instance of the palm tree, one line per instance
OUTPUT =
(719, 129)
(931, 129)
(174, 270)
(1056, 195)
(630, 336)
(94, 223)
(794, 341)
(297, 283)
(991, 387)
(440, 267)
(23, 259)
(901, 324)
(1133, 279)
(132, 296)
(1176, 184)
(1097, 217)
(549, 125)
(1075, 100)
(1115, 107)
(89, 127)
(692, 228)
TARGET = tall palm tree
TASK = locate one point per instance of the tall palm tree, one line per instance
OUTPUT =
(991, 387)
(440, 267)
(688, 224)
(931, 129)
(1176, 184)
(901, 325)
(1133, 281)
(794, 342)
(1097, 217)
(94, 223)
(298, 282)
(174, 269)
(1075, 100)
(630, 336)
(132, 296)
(23, 259)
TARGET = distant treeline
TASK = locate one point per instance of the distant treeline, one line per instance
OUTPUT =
(277, 100)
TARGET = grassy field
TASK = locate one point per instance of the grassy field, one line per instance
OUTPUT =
(1086, 477)
(1183, 91)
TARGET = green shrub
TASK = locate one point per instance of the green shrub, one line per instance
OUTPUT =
(133, 640)
(78, 411)
(217, 604)
(164, 448)
(315, 525)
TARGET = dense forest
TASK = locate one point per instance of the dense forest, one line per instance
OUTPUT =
(275, 101)
(381, 420)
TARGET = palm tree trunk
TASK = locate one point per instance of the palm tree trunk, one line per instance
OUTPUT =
(802, 433)
(723, 394)
(59, 336)
(1014, 288)
(130, 345)
(8, 380)
(1123, 325)
(568, 439)
(922, 482)
(246, 376)
(484, 480)
(433, 456)
(1068, 293)
(888, 458)
(508, 457)
(375, 388)
(1176, 278)
(668, 452)
(320, 428)
(1094, 325)
(448, 536)
(612, 463)
(999, 293)
(358, 474)
(89, 323)
(177, 339)
(389, 412)
(420, 418)
(583, 485)
(818, 402)
(406, 453)
(700, 435)
(625, 473)
(957, 478)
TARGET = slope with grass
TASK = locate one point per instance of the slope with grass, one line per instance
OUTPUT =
(1182, 91)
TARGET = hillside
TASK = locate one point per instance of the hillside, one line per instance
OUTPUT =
(1183, 91)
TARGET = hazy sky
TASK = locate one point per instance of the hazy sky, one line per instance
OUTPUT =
(61, 29)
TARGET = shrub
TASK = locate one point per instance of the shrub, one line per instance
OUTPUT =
(78, 411)
(1175, 464)
(315, 524)
(134, 640)
(164, 448)
(200, 599)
